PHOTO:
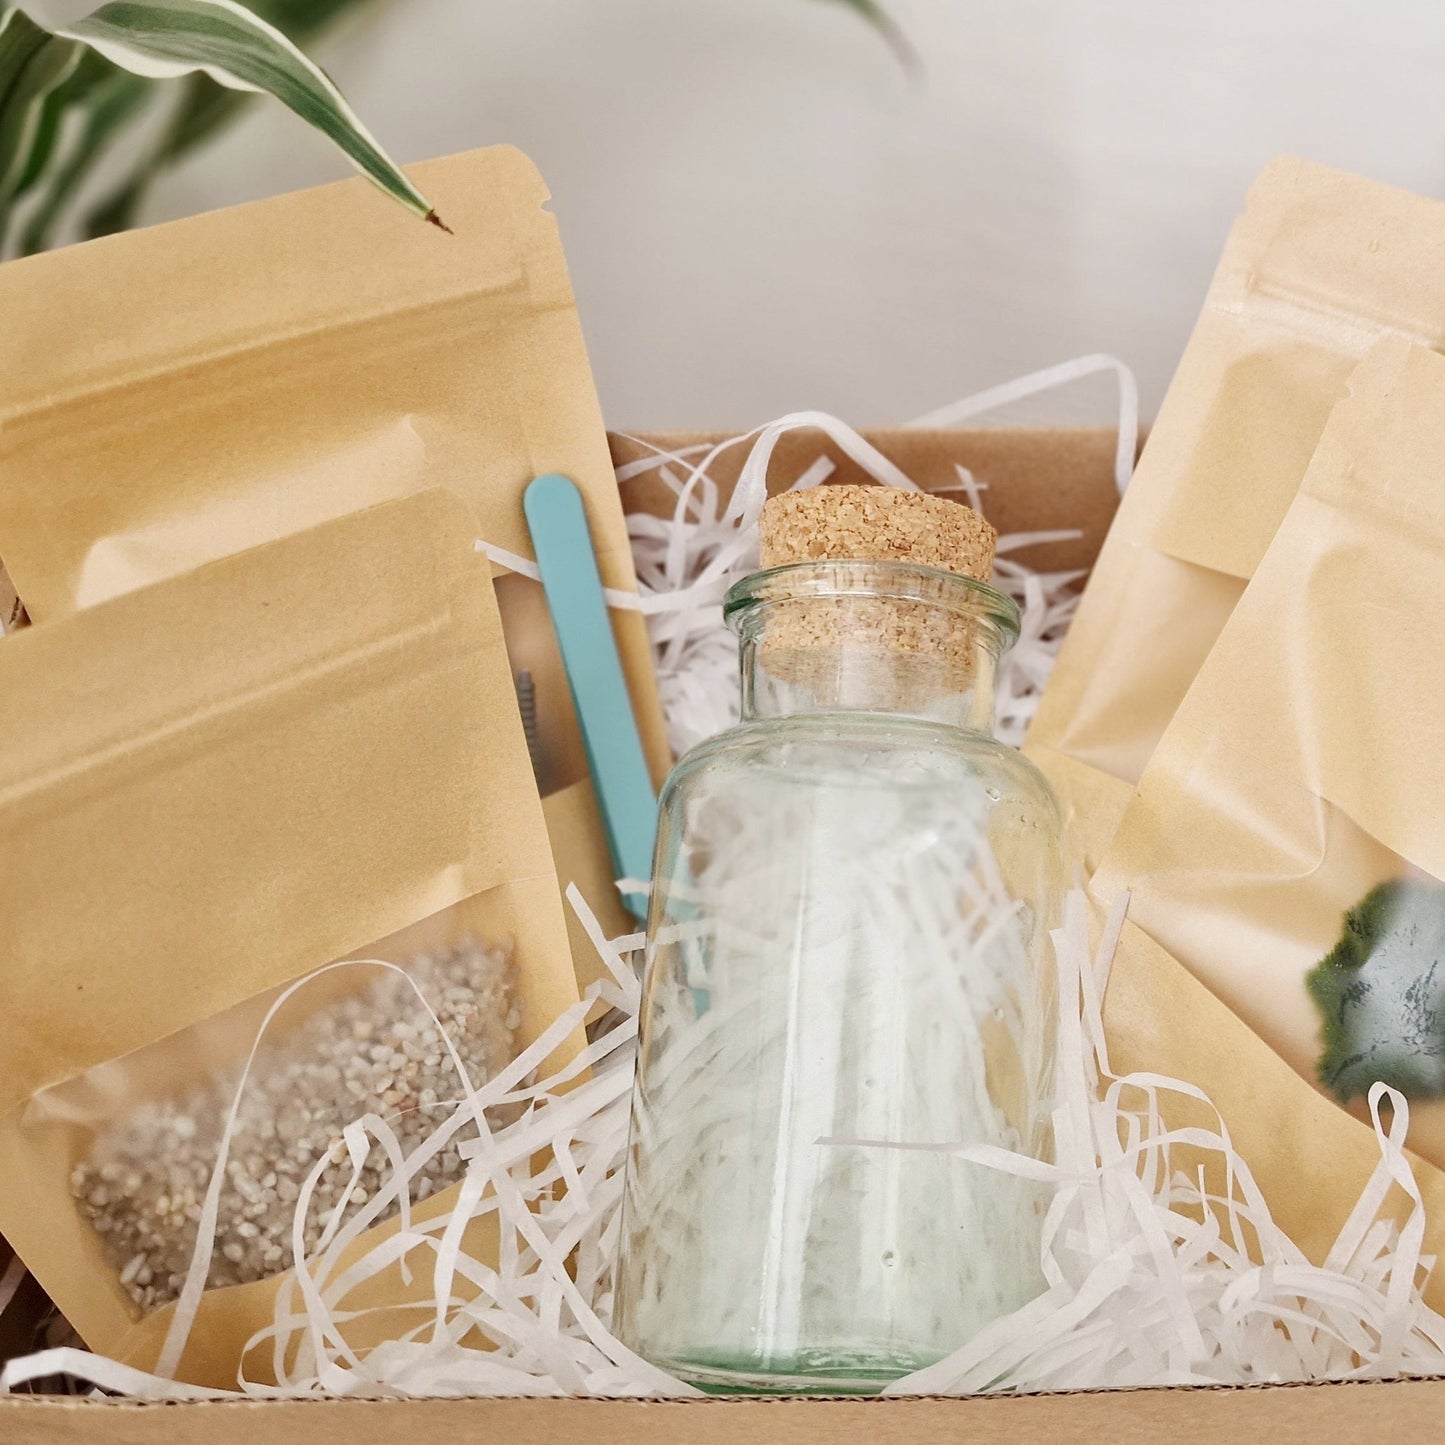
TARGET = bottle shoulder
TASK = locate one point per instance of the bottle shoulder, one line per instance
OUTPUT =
(917, 750)
(1026, 775)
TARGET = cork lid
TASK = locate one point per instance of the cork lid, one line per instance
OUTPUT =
(876, 524)
(912, 646)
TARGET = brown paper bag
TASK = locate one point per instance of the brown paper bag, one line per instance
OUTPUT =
(211, 786)
(1320, 265)
(1306, 766)
(179, 393)
(1309, 1157)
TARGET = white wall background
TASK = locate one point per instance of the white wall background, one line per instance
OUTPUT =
(763, 212)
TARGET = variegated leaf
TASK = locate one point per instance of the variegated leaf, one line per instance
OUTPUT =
(167, 39)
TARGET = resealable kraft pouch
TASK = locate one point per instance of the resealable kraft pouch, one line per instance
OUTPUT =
(1287, 841)
(178, 393)
(209, 788)
(1320, 265)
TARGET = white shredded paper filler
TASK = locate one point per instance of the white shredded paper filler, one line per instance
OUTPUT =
(1150, 1280)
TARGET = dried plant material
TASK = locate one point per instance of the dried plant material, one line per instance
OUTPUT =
(1381, 994)
(369, 1053)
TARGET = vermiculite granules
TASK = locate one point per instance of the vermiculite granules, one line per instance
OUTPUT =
(374, 1051)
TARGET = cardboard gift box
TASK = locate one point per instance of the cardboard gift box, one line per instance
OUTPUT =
(1033, 480)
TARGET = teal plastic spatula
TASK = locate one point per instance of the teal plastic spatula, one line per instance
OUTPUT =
(557, 520)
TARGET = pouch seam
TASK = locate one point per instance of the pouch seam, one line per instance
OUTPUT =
(203, 358)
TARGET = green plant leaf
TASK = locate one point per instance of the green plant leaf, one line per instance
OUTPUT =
(117, 212)
(33, 64)
(83, 117)
(880, 19)
(168, 39)
(207, 107)
(47, 136)
(103, 110)
(1381, 994)
(20, 38)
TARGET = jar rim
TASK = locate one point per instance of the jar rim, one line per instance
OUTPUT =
(900, 581)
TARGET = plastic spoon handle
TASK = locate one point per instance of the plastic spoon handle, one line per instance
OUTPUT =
(558, 523)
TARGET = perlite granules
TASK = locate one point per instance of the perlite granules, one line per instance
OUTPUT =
(374, 1051)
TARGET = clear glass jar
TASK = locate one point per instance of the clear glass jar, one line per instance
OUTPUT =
(847, 950)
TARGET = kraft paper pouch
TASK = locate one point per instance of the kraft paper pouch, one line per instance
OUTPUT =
(210, 787)
(1320, 265)
(1306, 767)
(1311, 1159)
(176, 394)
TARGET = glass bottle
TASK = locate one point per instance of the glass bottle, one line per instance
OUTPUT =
(847, 951)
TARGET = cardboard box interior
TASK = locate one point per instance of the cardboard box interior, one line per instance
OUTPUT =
(1033, 480)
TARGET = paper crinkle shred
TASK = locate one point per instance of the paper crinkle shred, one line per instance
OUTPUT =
(1150, 1280)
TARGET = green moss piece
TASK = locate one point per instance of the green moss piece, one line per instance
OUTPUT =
(1381, 994)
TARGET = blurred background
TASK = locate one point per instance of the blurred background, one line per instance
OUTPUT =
(764, 210)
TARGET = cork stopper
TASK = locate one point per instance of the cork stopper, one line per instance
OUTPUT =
(900, 651)
(876, 524)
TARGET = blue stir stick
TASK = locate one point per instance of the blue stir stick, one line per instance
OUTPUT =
(558, 523)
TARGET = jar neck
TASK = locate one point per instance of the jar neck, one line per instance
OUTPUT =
(870, 637)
